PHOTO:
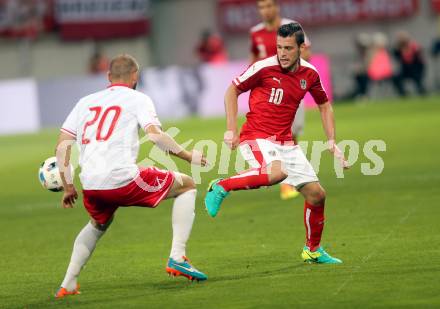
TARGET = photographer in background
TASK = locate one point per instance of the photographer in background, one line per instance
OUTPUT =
(409, 55)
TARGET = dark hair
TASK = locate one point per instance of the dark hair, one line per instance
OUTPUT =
(292, 29)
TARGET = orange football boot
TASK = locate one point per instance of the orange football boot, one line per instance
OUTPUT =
(62, 292)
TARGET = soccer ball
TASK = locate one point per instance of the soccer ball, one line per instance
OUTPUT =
(49, 175)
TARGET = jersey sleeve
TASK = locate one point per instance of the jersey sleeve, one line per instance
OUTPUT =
(249, 79)
(317, 91)
(146, 113)
(70, 125)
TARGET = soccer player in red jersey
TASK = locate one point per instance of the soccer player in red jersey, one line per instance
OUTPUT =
(263, 36)
(263, 39)
(277, 85)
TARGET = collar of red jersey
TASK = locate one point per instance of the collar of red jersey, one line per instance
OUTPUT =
(118, 84)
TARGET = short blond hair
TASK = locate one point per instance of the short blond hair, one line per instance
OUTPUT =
(122, 66)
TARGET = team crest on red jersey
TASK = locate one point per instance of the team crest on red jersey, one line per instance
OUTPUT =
(303, 84)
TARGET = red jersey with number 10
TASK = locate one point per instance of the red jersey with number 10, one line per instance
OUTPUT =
(275, 97)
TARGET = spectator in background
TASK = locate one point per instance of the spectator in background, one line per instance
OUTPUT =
(436, 48)
(362, 45)
(412, 64)
(435, 51)
(436, 57)
(22, 18)
(98, 63)
(211, 49)
(380, 67)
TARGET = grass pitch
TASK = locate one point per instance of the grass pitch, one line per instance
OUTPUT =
(385, 228)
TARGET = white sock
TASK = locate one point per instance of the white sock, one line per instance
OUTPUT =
(182, 218)
(83, 247)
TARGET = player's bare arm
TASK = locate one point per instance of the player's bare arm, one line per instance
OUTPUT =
(168, 144)
(328, 123)
(328, 120)
(231, 137)
(63, 152)
(253, 58)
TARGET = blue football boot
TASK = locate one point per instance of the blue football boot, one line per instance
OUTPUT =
(185, 269)
(214, 197)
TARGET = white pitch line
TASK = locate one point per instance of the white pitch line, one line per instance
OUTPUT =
(369, 256)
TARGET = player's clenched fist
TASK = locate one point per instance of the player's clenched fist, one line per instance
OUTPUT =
(198, 158)
(231, 139)
(69, 197)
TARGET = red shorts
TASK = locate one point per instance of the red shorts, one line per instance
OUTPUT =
(147, 190)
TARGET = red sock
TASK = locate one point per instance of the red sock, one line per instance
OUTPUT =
(251, 179)
(314, 223)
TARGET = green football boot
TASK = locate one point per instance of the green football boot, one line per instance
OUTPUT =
(214, 197)
(319, 256)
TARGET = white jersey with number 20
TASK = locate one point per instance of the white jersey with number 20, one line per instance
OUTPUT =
(106, 125)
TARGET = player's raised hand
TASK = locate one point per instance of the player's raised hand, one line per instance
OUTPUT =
(69, 197)
(334, 149)
(231, 139)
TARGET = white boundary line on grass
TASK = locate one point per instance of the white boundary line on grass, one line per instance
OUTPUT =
(369, 256)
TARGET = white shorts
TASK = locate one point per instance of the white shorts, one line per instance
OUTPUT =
(259, 153)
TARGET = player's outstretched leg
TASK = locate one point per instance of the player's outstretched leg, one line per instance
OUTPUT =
(83, 248)
(312, 252)
(255, 178)
(184, 191)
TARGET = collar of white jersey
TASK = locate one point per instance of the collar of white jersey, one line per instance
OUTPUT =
(118, 85)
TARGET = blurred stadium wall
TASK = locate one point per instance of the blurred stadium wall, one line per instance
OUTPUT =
(49, 57)
(57, 66)
(335, 40)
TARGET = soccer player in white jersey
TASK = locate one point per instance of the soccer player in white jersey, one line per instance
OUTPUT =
(105, 126)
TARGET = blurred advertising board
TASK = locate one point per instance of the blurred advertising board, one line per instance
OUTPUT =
(101, 19)
(241, 15)
(19, 106)
(182, 91)
(25, 18)
(177, 92)
(58, 96)
(436, 6)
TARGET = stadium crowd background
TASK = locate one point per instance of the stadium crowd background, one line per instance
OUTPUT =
(64, 44)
